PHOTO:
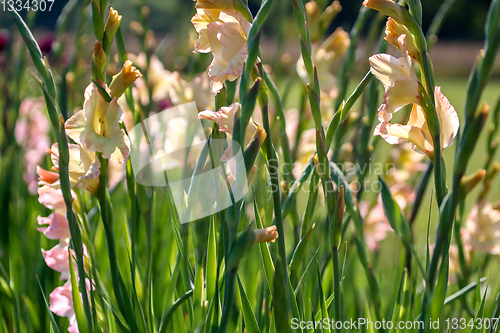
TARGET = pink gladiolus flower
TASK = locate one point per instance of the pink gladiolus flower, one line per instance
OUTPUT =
(376, 225)
(224, 33)
(399, 80)
(417, 131)
(57, 258)
(482, 229)
(224, 117)
(31, 133)
(83, 169)
(55, 226)
(53, 199)
(97, 126)
(61, 301)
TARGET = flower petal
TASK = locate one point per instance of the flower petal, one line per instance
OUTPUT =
(75, 125)
(57, 258)
(448, 118)
(224, 117)
(61, 301)
(400, 94)
(387, 69)
(55, 226)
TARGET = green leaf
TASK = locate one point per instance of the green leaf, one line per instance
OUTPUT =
(298, 254)
(77, 300)
(267, 261)
(51, 316)
(250, 321)
(211, 264)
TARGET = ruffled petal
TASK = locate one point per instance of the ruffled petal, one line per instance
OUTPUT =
(53, 199)
(61, 301)
(400, 94)
(224, 117)
(387, 69)
(55, 226)
(448, 118)
(57, 258)
(75, 125)
(397, 133)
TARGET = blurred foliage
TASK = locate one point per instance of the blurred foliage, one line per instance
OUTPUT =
(465, 20)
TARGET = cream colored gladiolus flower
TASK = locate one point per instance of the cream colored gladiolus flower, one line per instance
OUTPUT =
(325, 56)
(393, 30)
(266, 235)
(224, 33)
(417, 131)
(482, 229)
(224, 117)
(387, 7)
(83, 166)
(399, 80)
(97, 126)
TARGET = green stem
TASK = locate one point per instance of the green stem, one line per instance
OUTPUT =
(121, 294)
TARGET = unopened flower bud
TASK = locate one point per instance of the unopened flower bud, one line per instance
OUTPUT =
(136, 28)
(145, 11)
(338, 42)
(316, 164)
(266, 235)
(150, 40)
(392, 32)
(469, 182)
(99, 57)
(124, 79)
(387, 7)
(112, 24)
(260, 134)
(345, 151)
(313, 13)
(284, 186)
(330, 13)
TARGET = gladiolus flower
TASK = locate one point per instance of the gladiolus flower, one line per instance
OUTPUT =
(224, 33)
(266, 235)
(387, 7)
(55, 226)
(57, 258)
(83, 169)
(376, 225)
(324, 56)
(97, 126)
(417, 131)
(61, 303)
(53, 199)
(224, 117)
(482, 228)
(31, 133)
(398, 78)
(393, 30)
(124, 79)
(112, 24)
